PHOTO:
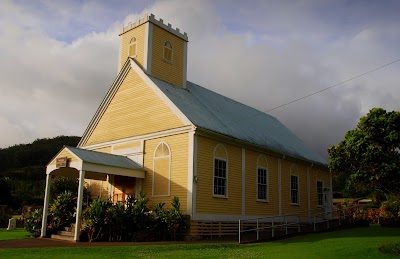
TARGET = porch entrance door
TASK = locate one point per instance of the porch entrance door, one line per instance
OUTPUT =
(328, 203)
(123, 186)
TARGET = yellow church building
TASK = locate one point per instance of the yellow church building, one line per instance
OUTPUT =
(157, 133)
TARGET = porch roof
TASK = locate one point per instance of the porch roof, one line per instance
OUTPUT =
(97, 164)
(104, 158)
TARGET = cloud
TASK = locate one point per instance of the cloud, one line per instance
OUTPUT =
(57, 63)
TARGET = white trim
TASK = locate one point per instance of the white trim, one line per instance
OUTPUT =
(169, 169)
(280, 186)
(263, 218)
(160, 23)
(129, 47)
(119, 57)
(243, 181)
(172, 52)
(146, 47)
(79, 205)
(46, 205)
(150, 47)
(213, 170)
(194, 194)
(130, 64)
(308, 191)
(267, 178)
(160, 94)
(106, 101)
(185, 51)
(190, 181)
(160, 134)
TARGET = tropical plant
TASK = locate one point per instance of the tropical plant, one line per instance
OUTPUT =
(95, 218)
(62, 210)
(33, 222)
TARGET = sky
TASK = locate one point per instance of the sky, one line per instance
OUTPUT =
(59, 58)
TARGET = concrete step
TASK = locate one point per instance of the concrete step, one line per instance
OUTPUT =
(62, 237)
(66, 233)
(69, 229)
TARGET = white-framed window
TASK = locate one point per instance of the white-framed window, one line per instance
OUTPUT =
(320, 193)
(167, 52)
(220, 186)
(294, 185)
(262, 178)
(162, 170)
(132, 47)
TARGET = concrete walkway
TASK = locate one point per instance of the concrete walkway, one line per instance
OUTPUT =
(48, 242)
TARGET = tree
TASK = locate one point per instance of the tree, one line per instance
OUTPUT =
(369, 155)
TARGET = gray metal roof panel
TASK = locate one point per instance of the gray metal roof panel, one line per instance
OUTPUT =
(104, 158)
(215, 112)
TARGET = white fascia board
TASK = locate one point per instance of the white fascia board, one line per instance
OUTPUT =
(59, 152)
(160, 94)
(104, 104)
(160, 134)
(112, 170)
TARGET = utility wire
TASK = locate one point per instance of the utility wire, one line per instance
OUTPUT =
(322, 90)
(327, 88)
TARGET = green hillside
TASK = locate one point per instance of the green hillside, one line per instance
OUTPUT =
(23, 170)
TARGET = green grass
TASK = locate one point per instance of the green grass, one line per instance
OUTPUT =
(18, 233)
(350, 243)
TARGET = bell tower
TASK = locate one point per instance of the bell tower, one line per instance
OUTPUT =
(158, 48)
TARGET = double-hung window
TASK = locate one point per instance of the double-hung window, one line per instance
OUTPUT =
(320, 193)
(220, 172)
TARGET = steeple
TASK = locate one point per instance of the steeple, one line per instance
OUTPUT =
(160, 49)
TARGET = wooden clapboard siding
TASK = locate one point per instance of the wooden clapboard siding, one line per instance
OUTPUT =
(317, 174)
(170, 72)
(206, 203)
(127, 145)
(254, 207)
(139, 33)
(135, 110)
(179, 146)
(287, 207)
(65, 153)
(104, 150)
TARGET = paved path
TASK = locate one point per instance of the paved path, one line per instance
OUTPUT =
(48, 242)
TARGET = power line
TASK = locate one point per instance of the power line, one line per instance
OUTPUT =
(322, 90)
(327, 88)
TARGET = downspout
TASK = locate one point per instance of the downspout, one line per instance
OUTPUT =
(280, 183)
(309, 189)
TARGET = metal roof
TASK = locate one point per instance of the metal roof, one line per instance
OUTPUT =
(209, 110)
(104, 159)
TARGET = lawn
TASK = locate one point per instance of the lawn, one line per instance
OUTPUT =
(18, 233)
(350, 243)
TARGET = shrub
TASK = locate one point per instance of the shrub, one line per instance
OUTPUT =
(391, 248)
(62, 210)
(95, 217)
(33, 222)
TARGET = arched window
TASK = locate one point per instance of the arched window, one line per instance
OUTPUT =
(220, 171)
(132, 47)
(162, 170)
(262, 178)
(294, 185)
(167, 53)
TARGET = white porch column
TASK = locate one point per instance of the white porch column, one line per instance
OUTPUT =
(46, 205)
(79, 205)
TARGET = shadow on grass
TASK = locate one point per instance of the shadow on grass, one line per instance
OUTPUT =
(371, 231)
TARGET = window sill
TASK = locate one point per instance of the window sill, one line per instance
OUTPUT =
(263, 201)
(295, 204)
(166, 195)
(167, 61)
(220, 196)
